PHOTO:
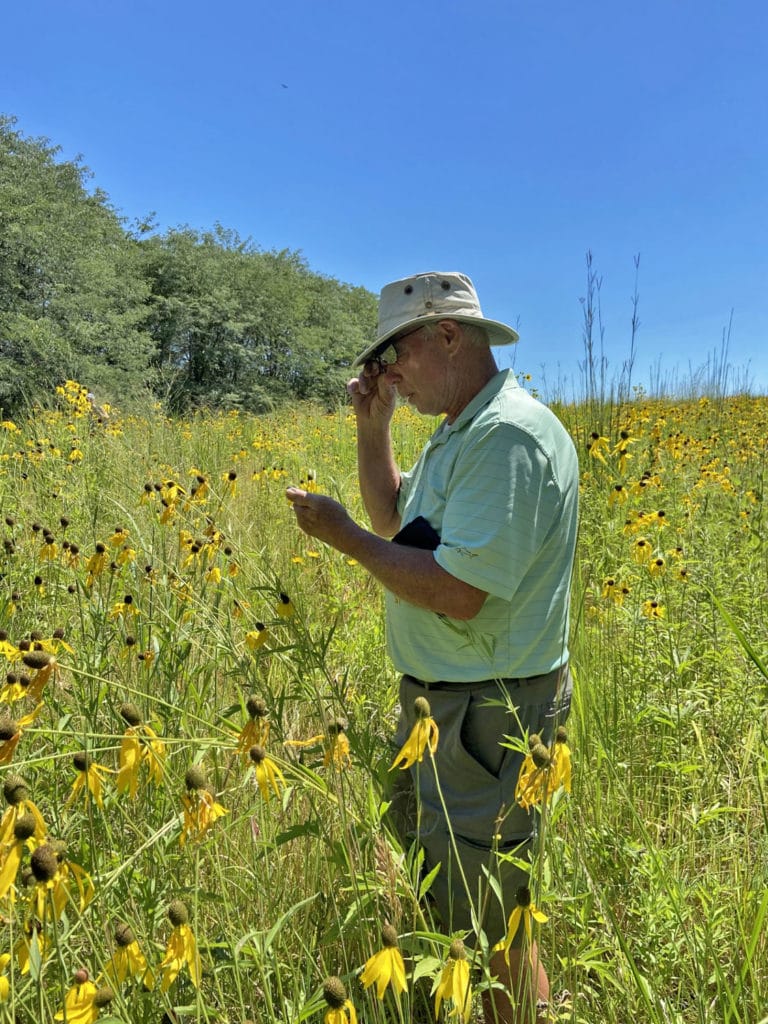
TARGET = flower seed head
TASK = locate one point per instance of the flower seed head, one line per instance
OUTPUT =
(124, 934)
(256, 707)
(195, 777)
(80, 976)
(25, 827)
(334, 992)
(37, 659)
(8, 729)
(15, 789)
(177, 913)
(457, 950)
(257, 753)
(523, 896)
(389, 936)
(533, 740)
(130, 713)
(44, 862)
(561, 736)
(540, 756)
(422, 708)
(103, 996)
(81, 761)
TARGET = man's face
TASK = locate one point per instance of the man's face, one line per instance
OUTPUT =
(420, 372)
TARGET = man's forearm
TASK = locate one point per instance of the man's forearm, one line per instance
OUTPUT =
(379, 480)
(411, 574)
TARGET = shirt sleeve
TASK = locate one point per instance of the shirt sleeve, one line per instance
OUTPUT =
(501, 503)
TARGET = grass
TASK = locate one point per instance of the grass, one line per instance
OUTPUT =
(652, 873)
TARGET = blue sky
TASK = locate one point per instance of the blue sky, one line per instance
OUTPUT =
(501, 138)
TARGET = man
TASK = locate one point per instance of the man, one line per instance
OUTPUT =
(476, 585)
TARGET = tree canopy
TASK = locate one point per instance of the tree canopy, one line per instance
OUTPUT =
(197, 319)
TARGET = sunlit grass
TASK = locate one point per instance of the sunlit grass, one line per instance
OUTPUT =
(155, 564)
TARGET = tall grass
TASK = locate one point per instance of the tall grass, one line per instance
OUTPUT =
(653, 872)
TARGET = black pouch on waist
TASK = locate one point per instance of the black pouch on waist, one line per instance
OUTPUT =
(418, 534)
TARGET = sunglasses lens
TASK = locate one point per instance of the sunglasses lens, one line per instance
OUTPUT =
(388, 357)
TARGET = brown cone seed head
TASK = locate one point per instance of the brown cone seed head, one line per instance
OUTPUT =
(177, 913)
(195, 777)
(422, 708)
(44, 862)
(130, 713)
(334, 992)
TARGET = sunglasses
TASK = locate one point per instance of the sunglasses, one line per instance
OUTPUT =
(389, 355)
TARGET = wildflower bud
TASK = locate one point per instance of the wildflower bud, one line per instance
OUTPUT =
(533, 740)
(457, 950)
(389, 936)
(103, 997)
(80, 977)
(15, 789)
(334, 992)
(81, 761)
(523, 896)
(195, 777)
(177, 913)
(257, 754)
(124, 934)
(130, 713)
(37, 659)
(8, 729)
(24, 827)
(422, 708)
(256, 707)
(561, 736)
(540, 756)
(44, 863)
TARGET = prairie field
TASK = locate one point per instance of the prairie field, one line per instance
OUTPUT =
(196, 704)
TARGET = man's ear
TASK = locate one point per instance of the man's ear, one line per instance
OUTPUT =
(451, 333)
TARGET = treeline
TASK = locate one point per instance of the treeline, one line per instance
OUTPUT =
(196, 319)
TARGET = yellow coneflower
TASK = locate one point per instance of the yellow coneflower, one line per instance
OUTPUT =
(385, 967)
(140, 745)
(256, 638)
(642, 552)
(454, 984)
(230, 480)
(5, 985)
(284, 606)
(269, 778)
(128, 961)
(53, 874)
(84, 1001)
(424, 735)
(10, 733)
(525, 913)
(337, 746)
(16, 793)
(89, 780)
(341, 1009)
(45, 665)
(181, 949)
(32, 944)
(562, 769)
(255, 732)
(96, 564)
(651, 609)
(596, 446)
(201, 809)
(11, 853)
(543, 771)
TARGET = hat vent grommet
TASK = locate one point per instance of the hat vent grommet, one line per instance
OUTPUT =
(408, 289)
(445, 285)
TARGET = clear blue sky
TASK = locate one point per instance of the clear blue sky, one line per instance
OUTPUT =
(501, 138)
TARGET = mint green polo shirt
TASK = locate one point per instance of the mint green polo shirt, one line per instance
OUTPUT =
(500, 486)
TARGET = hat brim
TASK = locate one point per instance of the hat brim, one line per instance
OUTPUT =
(498, 333)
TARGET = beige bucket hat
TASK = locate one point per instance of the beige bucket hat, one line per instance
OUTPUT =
(405, 305)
